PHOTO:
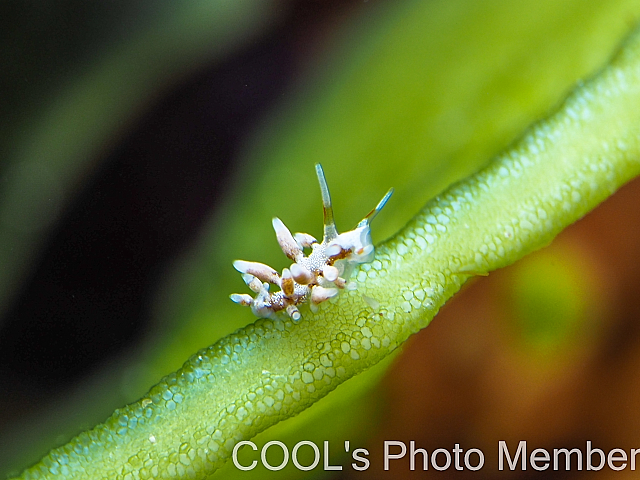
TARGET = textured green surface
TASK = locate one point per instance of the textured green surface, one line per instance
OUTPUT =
(563, 167)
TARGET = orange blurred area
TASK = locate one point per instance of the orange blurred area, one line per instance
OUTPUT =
(483, 372)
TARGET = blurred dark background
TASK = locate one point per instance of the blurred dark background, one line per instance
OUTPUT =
(87, 296)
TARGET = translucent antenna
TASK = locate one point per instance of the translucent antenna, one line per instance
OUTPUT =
(372, 214)
(330, 231)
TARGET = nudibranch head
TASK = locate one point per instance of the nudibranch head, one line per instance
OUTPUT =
(316, 277)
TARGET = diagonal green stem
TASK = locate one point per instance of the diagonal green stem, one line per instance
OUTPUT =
(188, 424)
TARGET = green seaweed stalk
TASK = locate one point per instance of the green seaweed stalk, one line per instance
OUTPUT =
(188, 424)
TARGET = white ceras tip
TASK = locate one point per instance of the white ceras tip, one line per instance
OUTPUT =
(330, 272)
(333, 250)
(241, 265)
(287, 283)
(293, 312)
(304, 239)
(242, 299)
(316, 277)
(252, 282)
(264, 272)
(287, 243)
(320, 294)
(301, 274)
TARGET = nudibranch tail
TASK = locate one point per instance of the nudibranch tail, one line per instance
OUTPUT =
(315, 278)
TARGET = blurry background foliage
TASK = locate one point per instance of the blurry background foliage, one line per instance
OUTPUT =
(145, 145)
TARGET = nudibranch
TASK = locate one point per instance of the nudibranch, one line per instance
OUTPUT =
(316, 277)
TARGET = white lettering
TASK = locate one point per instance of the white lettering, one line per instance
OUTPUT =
(316, 455)
(388, 456)
(534, 459)
(480, 459)
(326, 457)
(412, 456)
(456, 456)
(567, 462)
(263, 455)
(434, 459)
(358, 458)
(503, 450)
(591, 452)
(634, 452)
(234, 455)
(612, 458)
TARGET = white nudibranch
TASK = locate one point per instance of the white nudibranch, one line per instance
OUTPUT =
(316, 277)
